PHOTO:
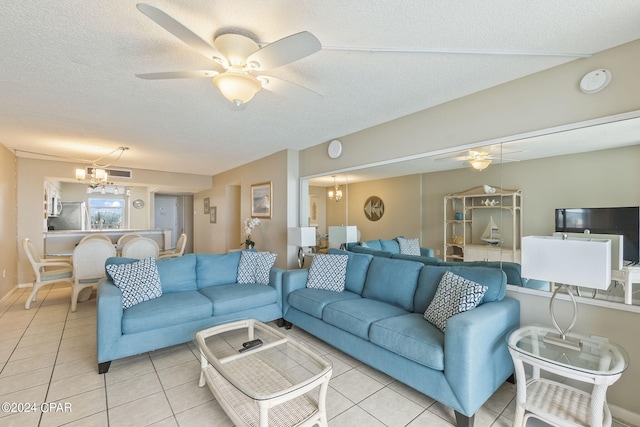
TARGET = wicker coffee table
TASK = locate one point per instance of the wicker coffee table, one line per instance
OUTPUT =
(279, 383)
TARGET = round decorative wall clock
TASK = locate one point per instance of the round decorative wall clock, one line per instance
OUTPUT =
(373, 208)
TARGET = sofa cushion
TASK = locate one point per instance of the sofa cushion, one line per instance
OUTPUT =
(357, 267)
(217, 269)
(390, 246)
(254, 267)
(372, 244)
(393, 281)
(313, 301)
(233, 298)
(455, 295)
(177, 274)
(328, 272)
(430, 277)
(138, 281)
(172, 308)
(409, 246)
(411, 337)
(356, 315)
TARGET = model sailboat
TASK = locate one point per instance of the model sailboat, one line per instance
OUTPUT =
(491, 234)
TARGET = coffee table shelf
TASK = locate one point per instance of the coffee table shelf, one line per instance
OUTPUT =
(281, 383)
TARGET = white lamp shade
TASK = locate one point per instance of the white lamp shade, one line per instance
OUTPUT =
(342, 234)
(579, 262)
(302, 236)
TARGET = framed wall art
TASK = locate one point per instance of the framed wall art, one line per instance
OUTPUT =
(213, 214)
(207, 207)
(261, 203)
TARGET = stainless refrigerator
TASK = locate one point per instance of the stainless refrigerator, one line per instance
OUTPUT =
(71, 216)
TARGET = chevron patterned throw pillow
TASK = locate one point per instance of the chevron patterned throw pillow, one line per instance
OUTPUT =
(454, 295)
(328, 272)
(138, 281)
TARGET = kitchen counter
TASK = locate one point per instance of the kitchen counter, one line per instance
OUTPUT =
(62, 242)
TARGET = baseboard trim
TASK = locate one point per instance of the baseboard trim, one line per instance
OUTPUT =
(624, 416)
(8, 294)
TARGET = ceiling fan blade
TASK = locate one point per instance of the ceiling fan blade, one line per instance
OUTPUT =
(452, 159)
(286, 50)
(179, 30)
(178, 75)
(288, 89)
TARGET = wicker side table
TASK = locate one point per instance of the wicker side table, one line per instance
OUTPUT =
(598, 362)
(271, 385)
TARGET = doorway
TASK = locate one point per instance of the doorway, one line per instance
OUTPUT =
(172, 212)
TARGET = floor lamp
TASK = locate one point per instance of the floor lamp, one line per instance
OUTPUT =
(566, 261)
(302, 237)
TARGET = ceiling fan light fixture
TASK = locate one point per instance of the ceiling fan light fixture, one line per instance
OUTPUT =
(237, 87)
(479, 163)
(235, 47)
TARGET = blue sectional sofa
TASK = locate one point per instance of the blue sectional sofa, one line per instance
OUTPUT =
(378, 319)
(198, 291)
(383, 247)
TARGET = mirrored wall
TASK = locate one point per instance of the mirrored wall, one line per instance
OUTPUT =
(589, 164)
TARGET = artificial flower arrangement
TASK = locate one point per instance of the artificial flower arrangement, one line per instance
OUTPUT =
(249, 225)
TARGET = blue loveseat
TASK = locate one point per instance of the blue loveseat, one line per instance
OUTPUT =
(198, 291)
(383, 247)
(378, 319)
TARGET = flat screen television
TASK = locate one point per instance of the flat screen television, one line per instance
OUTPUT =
(624, 221)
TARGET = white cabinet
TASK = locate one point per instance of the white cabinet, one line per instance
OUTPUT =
(467, 216)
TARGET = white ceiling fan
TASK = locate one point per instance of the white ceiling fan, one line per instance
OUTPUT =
(238, 60)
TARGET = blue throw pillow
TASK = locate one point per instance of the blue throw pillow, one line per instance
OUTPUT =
(138, 281)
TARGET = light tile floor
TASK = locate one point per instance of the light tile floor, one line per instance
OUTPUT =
(48, 355)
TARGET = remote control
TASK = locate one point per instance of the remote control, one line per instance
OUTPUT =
(250, 345)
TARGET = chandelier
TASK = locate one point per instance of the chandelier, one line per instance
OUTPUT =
(337, 193)
(98, 176)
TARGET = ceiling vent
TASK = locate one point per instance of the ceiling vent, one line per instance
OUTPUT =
(114, 173)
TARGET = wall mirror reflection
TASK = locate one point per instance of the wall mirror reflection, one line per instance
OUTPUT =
(583, 165)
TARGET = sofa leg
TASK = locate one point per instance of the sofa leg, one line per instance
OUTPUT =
(280, 322)
(512, 379)
(463, 420)
(288, 325)
(103, 367)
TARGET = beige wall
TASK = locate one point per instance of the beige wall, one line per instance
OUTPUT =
(542, 100)
(8, 222)
(228, 233)
(402, 208)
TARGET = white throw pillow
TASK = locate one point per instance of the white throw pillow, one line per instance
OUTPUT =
(328, 272)
(454, 295)
(409, 246)
(138, 281)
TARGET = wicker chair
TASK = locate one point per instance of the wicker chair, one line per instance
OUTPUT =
(88, 259)
(181, 244)
(140, 248)
(47, 272)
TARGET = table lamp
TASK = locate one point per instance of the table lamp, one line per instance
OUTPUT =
(339, 236)
(303, 238)
(567, 261)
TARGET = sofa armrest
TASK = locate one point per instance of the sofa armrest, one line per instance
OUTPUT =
(109, 323)
(427, 252)
(476, 358)
(275, 281)
(292, 280)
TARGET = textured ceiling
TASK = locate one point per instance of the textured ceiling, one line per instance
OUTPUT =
(68, 85)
